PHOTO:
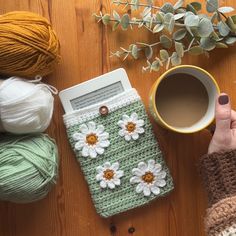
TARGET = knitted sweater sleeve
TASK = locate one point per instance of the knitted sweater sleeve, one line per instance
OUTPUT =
(218, 171)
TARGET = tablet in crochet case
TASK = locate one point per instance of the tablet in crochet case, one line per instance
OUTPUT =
(120, 158)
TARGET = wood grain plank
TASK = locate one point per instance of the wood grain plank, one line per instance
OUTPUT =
(68, 210)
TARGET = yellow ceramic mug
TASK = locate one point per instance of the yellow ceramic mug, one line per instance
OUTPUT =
(212, 90)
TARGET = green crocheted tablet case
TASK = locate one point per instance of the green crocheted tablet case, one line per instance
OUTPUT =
(118, 153)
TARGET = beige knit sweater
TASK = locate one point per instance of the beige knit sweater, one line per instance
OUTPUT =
(219, 175)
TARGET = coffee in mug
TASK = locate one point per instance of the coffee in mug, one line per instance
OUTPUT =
(183, 99)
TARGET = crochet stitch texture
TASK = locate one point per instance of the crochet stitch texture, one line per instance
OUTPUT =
(107, 201)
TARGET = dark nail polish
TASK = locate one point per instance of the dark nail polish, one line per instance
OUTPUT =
(223, 100)
(131, 230)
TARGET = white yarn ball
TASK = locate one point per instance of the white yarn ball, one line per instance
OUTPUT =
(25, 106)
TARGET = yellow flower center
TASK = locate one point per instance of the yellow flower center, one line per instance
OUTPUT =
(130, 127)
(91, 139)
(108, 174)
(148, 177)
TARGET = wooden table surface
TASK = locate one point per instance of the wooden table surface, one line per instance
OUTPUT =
(68, 209)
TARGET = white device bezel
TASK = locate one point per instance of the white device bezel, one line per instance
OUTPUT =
(118, 75)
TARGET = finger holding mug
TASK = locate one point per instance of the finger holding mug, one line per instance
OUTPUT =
(224, 137)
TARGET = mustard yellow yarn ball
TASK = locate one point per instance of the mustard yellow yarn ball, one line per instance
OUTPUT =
(28, 45)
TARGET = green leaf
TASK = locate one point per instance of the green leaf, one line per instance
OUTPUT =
(196, 50)
(134, 51)
(146, 12)
(160, 17)
(148, 52)
(169, 22)
(165, 41)
(191, 8)
(226, 9)
(116, 16)
(221, 45)
(164, 55)
(179, 48)
(179, 34)
(135, 4)
(196, 5)
(179, 16)
(223, 28)
(158, 28)
(155, 65)
(178, 4)
(207, 43)
(175, 59)
(125, 21)
(231, 23)
(191, 21)
(230, 40)
(106, 19)
(205, 27)
(115, 26)
(212, 5)
(167, 7)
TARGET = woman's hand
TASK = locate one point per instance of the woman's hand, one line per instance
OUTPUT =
(224, 137)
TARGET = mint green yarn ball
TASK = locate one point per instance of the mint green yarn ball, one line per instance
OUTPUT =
(28, 167)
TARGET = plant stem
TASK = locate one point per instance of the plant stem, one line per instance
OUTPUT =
(133, 4)
(138, 21)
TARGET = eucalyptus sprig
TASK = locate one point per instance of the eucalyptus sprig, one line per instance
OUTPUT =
(182, 29)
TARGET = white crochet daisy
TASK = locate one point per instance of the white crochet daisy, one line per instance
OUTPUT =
(149, 177)
(131, 127)
(109, 175)
(91, 140)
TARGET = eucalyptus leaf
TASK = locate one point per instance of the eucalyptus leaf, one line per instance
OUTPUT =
(179, 34)
(164, 55)
(207, 43)
(175, 59)
(134, 51)
(148, 52)
(155, 65)
(212, 5)
(197, 5)
(116, 16)
(106, 19)
(191, 21)
(179, 48)
(169, 22)
(231, 23)
(125, 21)
(221, 45)
(146, 12)
(226, 9)
(223, 28)
(191, 8)
(178, 4)
(165, 41)
(167, 8)
(215, 36)
(179, 16)
(205, 27)
(158, 28)
(230, 40)
(196, 50)
(115, 26)
(160, 17)
(135, 4)
(188, 13)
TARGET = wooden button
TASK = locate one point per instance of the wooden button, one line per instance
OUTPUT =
(103, 110)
